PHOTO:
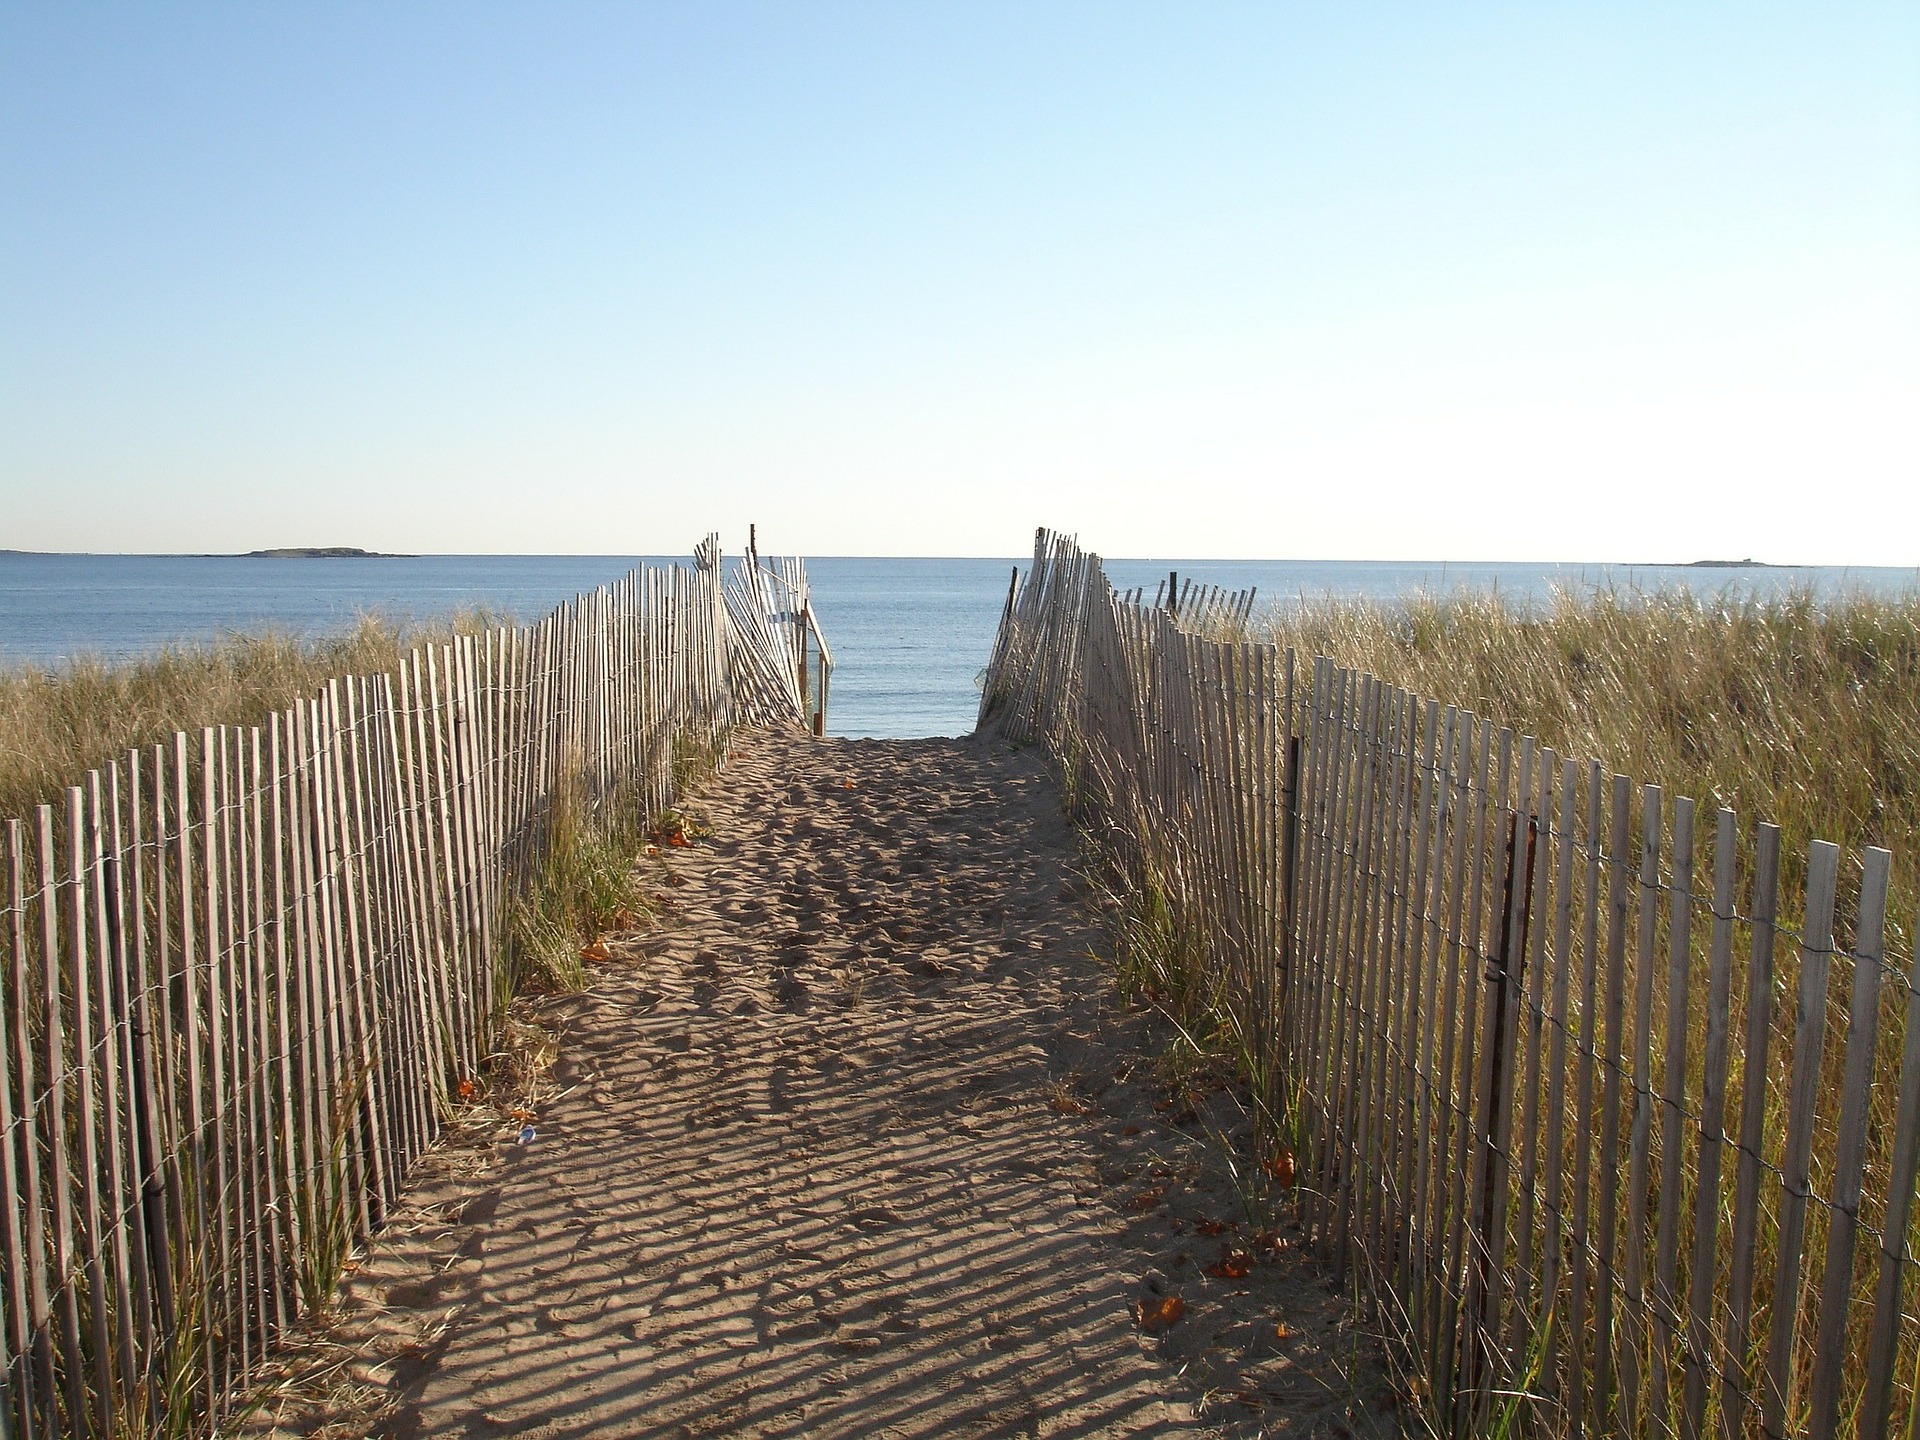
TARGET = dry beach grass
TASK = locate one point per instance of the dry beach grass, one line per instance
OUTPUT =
(1800, 712)
(58, 722)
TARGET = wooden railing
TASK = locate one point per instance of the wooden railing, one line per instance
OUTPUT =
(246, 972)
(1619, 1137)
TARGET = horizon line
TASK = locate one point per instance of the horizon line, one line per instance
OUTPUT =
(679, 556)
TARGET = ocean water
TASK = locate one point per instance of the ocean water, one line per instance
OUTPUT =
(909, 636)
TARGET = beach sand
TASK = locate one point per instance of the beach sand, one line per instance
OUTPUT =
(856, 1140)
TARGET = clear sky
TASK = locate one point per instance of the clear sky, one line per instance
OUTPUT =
(1608, 282)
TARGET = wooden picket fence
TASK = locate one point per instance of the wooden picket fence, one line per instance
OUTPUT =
(246, 972)
(1618, 1135)
(784, 662)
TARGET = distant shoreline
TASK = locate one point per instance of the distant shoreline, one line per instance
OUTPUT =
(316, 552)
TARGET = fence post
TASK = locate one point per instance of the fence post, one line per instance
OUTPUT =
(1289, 860)
(800, 660)
(1504, 970)
(132, 1010)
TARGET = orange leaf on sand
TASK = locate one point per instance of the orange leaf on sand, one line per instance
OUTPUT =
(847, 783)
(596, 951)
(1155, 1315)
(1147, 1199)
(466, 1089)
(1281, 1168)
(1234, 1264)
(678, 838)
(1281, 1332)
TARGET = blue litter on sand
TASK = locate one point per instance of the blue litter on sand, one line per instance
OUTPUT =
(526, 1134)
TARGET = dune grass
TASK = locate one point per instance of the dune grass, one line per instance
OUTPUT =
(583, 887)
(1797, 711)
(59, 722)
(1800, 712)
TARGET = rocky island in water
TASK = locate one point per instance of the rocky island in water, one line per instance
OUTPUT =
(321, 552)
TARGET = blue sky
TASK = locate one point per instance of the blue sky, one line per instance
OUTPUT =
(1618, 281)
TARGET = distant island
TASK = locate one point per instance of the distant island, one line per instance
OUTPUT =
(1748, 564)
(321, 552)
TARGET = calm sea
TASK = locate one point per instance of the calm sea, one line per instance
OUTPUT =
(909, 636)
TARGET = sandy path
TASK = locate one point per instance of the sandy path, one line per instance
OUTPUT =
(854, 1144)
